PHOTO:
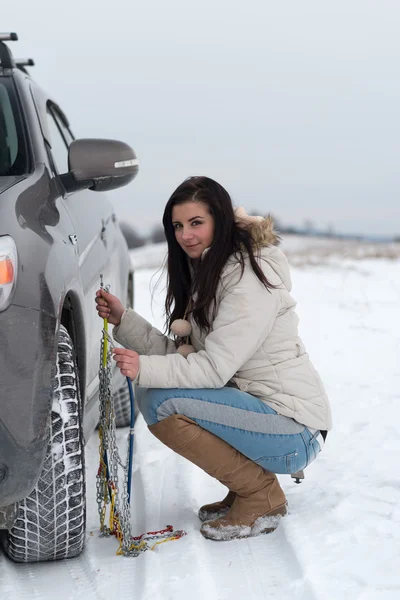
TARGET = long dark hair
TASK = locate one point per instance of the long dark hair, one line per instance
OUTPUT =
(228, 239)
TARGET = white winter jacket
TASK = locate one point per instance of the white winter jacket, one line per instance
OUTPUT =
(253, 343)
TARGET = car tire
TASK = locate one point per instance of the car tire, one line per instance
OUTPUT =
(51, 521)
(122, 407)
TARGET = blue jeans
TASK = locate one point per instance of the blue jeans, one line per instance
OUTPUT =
(278, 444)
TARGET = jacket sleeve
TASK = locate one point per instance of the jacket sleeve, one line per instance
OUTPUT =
(245, 316)
(135, 333)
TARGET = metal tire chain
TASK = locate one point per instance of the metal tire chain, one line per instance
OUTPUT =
(108, 446)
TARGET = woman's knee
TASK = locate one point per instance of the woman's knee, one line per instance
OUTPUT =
(145, 405)
(153, 404)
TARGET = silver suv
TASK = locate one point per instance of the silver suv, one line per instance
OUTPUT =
(57, 235)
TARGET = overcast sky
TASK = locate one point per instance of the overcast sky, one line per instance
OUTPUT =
(292, 105)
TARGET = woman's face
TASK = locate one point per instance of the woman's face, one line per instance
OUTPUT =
(194, 227)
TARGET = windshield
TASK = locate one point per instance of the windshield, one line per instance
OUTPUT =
(12, 147)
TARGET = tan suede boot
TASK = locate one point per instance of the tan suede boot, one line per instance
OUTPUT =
(248, 516)
(216, 509)
(260, 501)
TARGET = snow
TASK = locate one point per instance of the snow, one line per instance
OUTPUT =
(340, 538)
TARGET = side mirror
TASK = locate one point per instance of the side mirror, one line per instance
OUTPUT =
(99, 165)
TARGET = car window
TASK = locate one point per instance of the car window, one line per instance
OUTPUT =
(12, 148)
(59, 144)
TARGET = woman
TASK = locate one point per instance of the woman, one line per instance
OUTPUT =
(242, 400)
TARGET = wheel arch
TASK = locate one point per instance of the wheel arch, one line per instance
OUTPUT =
(73, 320)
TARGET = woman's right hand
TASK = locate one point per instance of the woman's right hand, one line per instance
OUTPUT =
(109, 307)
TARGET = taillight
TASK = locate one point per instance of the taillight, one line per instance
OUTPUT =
(8, 270)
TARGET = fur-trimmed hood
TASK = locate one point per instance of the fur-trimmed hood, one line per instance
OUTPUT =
(266, 240)
(261, 228)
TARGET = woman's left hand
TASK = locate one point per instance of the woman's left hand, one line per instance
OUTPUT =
(127, 361)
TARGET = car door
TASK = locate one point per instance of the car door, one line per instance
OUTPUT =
(95, 236)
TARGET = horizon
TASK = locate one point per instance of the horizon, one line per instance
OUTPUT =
(289, 230)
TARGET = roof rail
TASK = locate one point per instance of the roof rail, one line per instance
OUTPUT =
(8, 37)
(24, 62)
(6, 58)
(21, 63)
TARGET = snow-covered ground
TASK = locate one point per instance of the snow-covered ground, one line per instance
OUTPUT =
(341, 538)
